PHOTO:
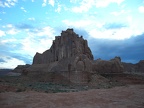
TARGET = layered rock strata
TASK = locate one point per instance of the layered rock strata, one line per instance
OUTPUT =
(70, 57)
(67, 49)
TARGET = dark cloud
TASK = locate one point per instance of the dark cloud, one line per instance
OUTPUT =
(81, 32)
(24, 26)
(26, 58)
(2, 60)
(13, 52)
(130, 50)
(114, 25)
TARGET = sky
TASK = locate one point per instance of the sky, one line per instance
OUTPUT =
(112, 28)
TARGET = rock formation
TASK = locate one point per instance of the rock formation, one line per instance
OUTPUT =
(20, 68)
(71, 57)
(134, 68)
(111, 66)
(66, 49)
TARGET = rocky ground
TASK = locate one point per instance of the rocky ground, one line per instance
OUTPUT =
(121, 91)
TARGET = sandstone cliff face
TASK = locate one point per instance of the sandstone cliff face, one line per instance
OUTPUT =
(67, 49)
(71, 57)
(69, 44)
(111, 66)
(138, 67)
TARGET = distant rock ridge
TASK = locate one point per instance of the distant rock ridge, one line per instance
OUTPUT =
(134, 68)
(111, 66)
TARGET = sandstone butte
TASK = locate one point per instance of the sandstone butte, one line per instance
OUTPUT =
(71, 57)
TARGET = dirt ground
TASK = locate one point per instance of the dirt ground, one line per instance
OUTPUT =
(131, 96)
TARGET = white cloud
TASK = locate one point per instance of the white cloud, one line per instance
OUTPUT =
(51, 2)
(77, 24)
(117, 13)
(32, 45)
(8, 3)
(74, 1)
(31, 19)
(5, 41)
(117, 34)
(33, 0)
(23, 9)
(141, 9)
(129, 19)
(58, 9)
(10, 62)
(38, 41)
(44, 3)
(45, 31)
(2, 33)
(86, 5)
(9, 25)
(11, 29)
(97, 29)
(84, 23)
(105, 3)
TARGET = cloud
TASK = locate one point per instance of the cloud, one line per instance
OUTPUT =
(118, 13)
(15, 29)
(1, 60)
(37, 40)
(44, 31)
(105, 30)
(44, 3)
(117, 34)
(11, 29)
(24, 26)
(105, 3)
(8, 3)
(141, 9)
(86, 5)
(9, 62)
(24, 47)
(6, 41)
(2, 12)
(130, 50)
(11, 48)
(76, 24)
(74, 1)
(31, 19)
(23, 9)
(2, 33)
(51, 2)
(58, 9)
